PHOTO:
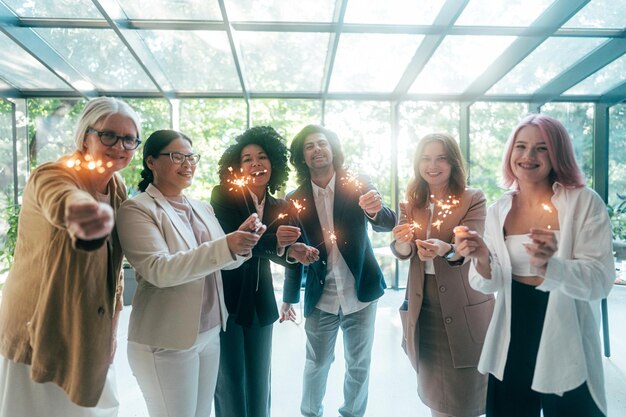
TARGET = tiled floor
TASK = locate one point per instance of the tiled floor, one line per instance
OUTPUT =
(393, 384)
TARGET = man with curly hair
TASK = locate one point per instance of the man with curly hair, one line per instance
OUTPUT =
(343, 286)
(257, 162)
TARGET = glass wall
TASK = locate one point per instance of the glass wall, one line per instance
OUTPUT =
(6, 184)
(617, 168)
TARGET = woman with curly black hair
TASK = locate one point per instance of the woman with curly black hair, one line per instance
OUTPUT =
(259, 158)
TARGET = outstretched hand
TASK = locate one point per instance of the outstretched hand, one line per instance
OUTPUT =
(89, 221)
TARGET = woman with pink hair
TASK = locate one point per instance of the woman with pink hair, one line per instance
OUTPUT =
(547, 252)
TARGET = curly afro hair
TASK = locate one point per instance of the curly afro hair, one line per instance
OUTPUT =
(274, 146)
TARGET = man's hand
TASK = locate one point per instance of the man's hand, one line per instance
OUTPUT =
(302, 253)
(287, 235)
(371, 202)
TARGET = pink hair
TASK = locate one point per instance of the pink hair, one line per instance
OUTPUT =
(565, 170)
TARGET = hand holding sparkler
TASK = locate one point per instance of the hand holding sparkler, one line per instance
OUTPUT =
(287, 235)
(242, 240)
(543, 246)
(371, 202)
(469, 244)
(89, 220)
(303, 253)
(403, 233)
(427, 249)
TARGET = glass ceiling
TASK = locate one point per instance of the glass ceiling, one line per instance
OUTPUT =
(461, 50)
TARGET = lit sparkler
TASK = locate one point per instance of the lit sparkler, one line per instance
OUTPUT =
(89, 164)
(332, 237)
(352, 179)
(445, 208)
(240, 182)
(279, 217)
(548, 209)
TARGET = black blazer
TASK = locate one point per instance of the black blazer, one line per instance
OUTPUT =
(351, 229)
(249, 288)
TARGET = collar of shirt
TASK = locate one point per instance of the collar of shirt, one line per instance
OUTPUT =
(329, 187)
(258, 205)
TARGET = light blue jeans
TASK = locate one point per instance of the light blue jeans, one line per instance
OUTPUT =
(358, 338)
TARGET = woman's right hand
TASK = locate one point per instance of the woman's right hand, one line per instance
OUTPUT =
(287, 235)
(469, 244)
(89, 221)
(241, 241)
(403, 233)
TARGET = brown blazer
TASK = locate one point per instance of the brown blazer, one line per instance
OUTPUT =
(466, 312)
(62, 294)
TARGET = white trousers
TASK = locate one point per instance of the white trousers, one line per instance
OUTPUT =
(21, 396)
(178, 383)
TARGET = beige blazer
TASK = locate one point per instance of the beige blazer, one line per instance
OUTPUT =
(466, 312)
(170, 268)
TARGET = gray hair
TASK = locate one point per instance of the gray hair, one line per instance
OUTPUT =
(99, 108)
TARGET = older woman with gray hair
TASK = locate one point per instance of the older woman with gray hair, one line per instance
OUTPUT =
(62, 296)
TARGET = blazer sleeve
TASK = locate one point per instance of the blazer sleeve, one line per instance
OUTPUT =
(149, 253)
(55, 188)
(385, 219)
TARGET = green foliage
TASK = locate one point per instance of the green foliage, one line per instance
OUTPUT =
(617, 214)
(10, 216)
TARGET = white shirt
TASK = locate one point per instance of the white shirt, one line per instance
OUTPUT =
(578, 276)
(339, 288)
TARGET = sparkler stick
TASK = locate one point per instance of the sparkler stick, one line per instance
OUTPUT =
(412, 223)
(279, 217)
(331, 236)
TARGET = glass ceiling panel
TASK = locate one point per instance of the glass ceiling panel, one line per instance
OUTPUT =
(81, 9)
(603, 80)
(516, 13)
(371, 62)
(172, 9)
(284, 61)
(606, 14)
(281, 10)
(546, 62)
(458, 61)
(100, 55)
(22, 70)
(399, 12)
(194, 60)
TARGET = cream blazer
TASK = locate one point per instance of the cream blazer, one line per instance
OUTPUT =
(170, 268)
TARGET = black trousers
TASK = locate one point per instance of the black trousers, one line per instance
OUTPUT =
(513, 397)
(244, 379)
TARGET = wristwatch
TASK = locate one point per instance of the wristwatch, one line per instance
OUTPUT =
(449, 254)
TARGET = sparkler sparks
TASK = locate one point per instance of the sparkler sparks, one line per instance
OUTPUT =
(279, 217)
(89, 164)
(445, 208)
(548, 209)
(240, 182)
(352, 179)
(332, 237)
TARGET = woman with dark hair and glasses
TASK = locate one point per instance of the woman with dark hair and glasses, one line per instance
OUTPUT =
(61, 300)
(177, 248)
(259, 156)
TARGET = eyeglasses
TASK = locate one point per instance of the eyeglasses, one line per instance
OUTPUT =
(180, 158)
(109, 138)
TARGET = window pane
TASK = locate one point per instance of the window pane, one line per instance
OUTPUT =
(491, 125)
(22, 70)
(603, 80)
(172, 9)
(578, 120)
(599, 14)
(551, 58)
(194, 61)
(101, 56)
(458, 61)
(212, 125)
(417, 119)
(617, 157)
(284, 61)
(502, 13)
(362, 127)
(281, 10)
(57, 8)
(399, 12)
(6, 178)
(372, 62)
